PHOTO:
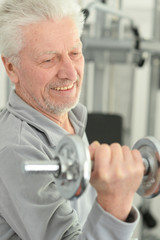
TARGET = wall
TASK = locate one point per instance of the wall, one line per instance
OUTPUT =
(142, 13)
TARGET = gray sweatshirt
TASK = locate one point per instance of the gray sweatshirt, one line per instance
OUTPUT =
(31, 207)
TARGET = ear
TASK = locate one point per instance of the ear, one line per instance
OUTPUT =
(10, 69)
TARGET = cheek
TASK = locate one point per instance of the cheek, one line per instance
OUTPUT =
(34, 77)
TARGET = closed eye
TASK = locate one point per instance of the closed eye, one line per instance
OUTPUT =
(50, 62)
(75, 55)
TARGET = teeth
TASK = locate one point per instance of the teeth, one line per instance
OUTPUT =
(64, 88)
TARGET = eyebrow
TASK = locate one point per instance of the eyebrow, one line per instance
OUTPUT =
(47, 52)
(79, 44)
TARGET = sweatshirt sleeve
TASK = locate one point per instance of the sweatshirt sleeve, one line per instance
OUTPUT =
(102, 225)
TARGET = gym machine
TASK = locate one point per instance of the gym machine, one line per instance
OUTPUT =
(71, 166)
(115, 40)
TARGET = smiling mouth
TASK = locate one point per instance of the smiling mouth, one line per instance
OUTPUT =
(64, 88)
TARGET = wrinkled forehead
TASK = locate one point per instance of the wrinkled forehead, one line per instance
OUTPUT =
(47, 34)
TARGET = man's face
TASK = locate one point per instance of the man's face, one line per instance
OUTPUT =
(50, 74)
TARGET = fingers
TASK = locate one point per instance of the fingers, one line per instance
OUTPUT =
(137, 155)
(129, 163)
(139, 165)
(102, 158)
(92, 148)
(118, 160)
(116, 168)
(116, 176)
(117, 152)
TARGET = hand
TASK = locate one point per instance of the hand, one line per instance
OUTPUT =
(116, 176)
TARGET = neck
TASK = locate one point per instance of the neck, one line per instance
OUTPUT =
(62, 120)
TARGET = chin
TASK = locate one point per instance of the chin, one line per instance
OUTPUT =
(61, 108)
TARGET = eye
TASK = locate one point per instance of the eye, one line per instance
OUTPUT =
(48, 60)
(75, 55)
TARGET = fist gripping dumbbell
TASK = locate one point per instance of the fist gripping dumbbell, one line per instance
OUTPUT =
(71, 166)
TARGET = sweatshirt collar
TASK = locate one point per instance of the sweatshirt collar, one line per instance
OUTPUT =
(23, 111)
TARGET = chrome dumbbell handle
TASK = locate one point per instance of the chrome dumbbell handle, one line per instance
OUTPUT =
(39, 166)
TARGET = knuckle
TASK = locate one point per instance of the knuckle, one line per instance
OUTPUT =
(126, 151)
(104, 145)
(115, 145)
(136, 153)
(125, 148)
(104, 148)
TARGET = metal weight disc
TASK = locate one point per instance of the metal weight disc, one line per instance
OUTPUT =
(75, 166)
(149, 148)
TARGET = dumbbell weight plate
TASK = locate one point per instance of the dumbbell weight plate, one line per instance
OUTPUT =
(149, 148)
(75, 166)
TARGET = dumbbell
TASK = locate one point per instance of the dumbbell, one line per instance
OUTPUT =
(149, 148)
(71, 166)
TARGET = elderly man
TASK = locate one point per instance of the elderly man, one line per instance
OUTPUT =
(42, 54)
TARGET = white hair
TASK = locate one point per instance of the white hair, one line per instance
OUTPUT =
(14, 14)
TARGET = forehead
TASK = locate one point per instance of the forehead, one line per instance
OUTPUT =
(50, 35)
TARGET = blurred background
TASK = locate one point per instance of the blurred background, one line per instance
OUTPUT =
(121, 90)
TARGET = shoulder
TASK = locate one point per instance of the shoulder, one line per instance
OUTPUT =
(14, 131)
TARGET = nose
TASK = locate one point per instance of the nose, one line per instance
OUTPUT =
(67, 69)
